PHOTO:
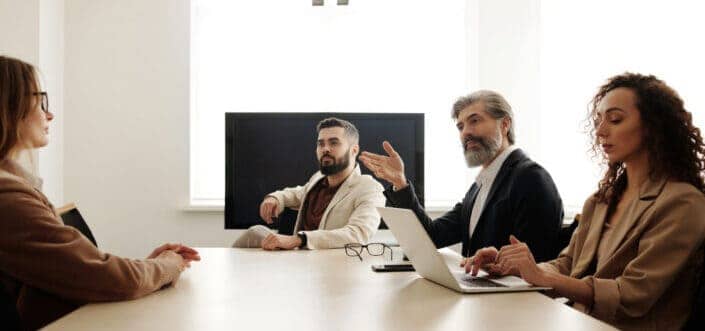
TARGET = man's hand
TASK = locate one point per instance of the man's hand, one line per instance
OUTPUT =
(389, 168)
(268, 209)
(484, 258)
(278, 241)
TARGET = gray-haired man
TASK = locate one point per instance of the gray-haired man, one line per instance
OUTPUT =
(512, 195)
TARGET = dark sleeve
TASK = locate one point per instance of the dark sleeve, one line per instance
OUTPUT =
(538, 211)
(37, 249)
(444, 231)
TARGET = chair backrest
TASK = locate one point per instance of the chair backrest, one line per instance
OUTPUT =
(697, 315)
(71, 217)
(286, 221)
(566, 232)
(9, 318)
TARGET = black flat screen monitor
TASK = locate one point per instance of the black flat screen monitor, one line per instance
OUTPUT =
(265, 152)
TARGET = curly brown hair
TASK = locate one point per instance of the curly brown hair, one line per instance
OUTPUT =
(675, 146)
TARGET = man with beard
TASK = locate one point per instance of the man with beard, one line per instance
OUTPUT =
(512, 195)
(336, 207)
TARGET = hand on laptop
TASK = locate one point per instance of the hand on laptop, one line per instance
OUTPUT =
(517, 259)
(484, 258)
(389, 168)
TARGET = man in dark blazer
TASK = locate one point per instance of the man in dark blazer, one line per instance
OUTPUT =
(512, 195)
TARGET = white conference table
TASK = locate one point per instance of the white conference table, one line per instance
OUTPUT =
(251, 289)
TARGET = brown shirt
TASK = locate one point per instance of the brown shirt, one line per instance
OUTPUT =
(316, 203)
(50, 269)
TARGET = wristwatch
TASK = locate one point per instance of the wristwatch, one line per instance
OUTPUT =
(304, 240)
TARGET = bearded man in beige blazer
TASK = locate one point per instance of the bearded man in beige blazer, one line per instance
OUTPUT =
(336, 206)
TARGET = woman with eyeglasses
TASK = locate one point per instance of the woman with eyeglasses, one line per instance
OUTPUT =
(48, 269)
(635, 257)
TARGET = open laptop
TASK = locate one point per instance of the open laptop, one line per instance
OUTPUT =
(432, 265)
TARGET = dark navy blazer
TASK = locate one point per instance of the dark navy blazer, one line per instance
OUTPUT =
(522, 201)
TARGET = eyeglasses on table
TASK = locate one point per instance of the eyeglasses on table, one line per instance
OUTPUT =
(374, 249)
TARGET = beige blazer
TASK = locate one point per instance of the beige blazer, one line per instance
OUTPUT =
(351, 216)
(648, 278)
(50, 269)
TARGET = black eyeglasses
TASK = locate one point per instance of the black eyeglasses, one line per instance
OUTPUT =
(45, 100)
(374, 249)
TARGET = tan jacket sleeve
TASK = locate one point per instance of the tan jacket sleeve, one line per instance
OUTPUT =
(37, 249)
(664, 248)
(362, 225)
(562, 264)
(290, 197)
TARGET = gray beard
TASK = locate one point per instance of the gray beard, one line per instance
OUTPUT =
(488, 150)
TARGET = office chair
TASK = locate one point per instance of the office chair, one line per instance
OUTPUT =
(697, 314)
(566, 232)
(286, 221)
(71, 217)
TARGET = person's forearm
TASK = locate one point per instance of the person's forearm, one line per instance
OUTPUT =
(574, 289)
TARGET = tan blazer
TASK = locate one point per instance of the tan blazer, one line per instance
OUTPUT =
(648, 278)
(351, 216)
(50, 269)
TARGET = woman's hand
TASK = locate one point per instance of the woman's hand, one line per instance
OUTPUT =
(516, 258)
(188, 254)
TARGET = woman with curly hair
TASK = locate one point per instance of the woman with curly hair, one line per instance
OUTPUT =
(635, 257)
(48, 269)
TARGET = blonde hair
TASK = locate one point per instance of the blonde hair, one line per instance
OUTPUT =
(18, 83)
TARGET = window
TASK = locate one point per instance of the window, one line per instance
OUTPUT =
(289, 56)
(583, 44)
(412, 56)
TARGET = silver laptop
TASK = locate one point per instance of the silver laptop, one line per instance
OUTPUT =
(440, 268)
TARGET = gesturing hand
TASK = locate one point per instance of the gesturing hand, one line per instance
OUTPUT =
(389, 168)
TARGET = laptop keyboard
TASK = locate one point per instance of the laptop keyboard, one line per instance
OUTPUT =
(478, 282)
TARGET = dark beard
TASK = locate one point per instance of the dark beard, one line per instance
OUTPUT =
(337, 166)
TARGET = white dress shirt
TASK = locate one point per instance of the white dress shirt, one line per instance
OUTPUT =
(484, 180)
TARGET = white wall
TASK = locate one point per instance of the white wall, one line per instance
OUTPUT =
(32, 31)
(127, 113)
(51, 64)
(19, 29)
